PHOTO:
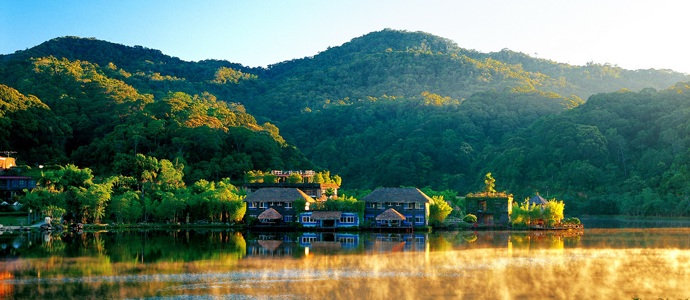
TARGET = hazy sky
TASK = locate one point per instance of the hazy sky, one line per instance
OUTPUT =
(633, 34)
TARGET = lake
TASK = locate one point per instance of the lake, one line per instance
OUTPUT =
(597, 263)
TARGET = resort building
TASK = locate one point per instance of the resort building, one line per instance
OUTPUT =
(329, 219)
(490, 208)
(319, 191)
(275, 206)
(397, 207)
(10, 181)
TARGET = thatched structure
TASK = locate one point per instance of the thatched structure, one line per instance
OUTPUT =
(270, 214)
(277, 195)
(397, 195)
(270, 244)
(326, 215)
(390, 215)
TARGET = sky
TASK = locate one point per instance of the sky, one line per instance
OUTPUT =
(633, 34)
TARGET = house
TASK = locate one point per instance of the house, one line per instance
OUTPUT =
(319, 191)
(7, 162)
(537, 200)
(275, 206)
(314, 190)
(397, 207)
(329, 219)
(490, 208)
(10, 183)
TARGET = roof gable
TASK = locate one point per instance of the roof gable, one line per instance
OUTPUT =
(403, 195)
(537, 200)
(277, 195)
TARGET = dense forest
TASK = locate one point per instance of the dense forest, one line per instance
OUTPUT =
(390, 108)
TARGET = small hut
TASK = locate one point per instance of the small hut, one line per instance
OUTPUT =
(390, 217)
(270, 216)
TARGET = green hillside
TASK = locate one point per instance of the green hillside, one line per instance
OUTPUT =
(388, 108)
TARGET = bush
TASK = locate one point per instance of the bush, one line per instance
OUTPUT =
(573, 220)
(550, 223)
(470, 218)
(520, 224)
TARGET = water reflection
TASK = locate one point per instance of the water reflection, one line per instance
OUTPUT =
(601, 263)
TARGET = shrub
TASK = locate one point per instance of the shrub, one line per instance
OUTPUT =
(470, 218)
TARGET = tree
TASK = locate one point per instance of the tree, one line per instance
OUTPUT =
(53, 212)
(490, 183)
(295, 178)
(439, 210)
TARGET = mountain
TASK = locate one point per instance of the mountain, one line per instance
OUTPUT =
(88, 114)
(388, 108)
(620, 153)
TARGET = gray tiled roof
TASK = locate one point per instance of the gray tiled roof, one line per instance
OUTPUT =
(404, 195)
(277, 195)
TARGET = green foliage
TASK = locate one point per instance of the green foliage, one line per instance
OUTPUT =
(470, 218)
(299, 205)
(490, 183)
(343, 203)
(572, 220)
(270, 178)
(294, 178)
(254, 177)
(439, 209)
(526, 213)
(393, 108)
(53, 212)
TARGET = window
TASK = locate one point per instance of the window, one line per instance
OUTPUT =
(379, 205)
(308, 219)
(308, 239)
(418, 206)
(347, 240)
(408, 220)
(409, 206)
(252, 216)
(262, 204)
(288, 219)
(288, 204)
(371, 205)
(252, 205)
(370, 218)
(418, 219)
(347, 219)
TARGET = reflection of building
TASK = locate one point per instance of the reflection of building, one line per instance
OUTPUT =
(275, 206)
(278, 244)
(395, 242)
(397, 207)
(490, 208)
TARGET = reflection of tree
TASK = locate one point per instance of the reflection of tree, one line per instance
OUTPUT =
(439, 243)
(113, 253)
(469, 237)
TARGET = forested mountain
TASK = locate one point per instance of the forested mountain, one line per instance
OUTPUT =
(389, 108)
(89, 116)
(622, 152)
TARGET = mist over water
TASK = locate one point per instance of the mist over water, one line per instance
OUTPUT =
(594, 264)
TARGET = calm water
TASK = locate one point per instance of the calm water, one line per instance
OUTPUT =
(606, 263)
